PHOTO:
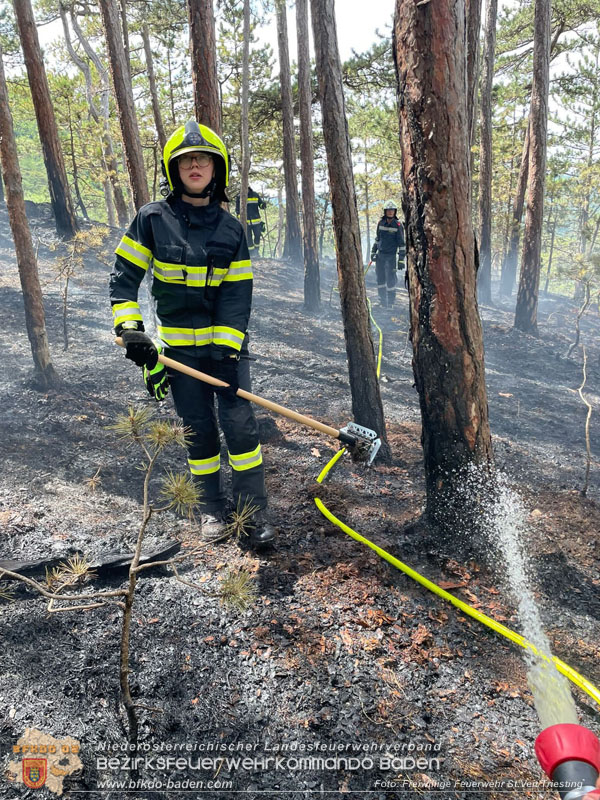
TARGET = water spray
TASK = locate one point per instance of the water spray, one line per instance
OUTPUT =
(570, 756)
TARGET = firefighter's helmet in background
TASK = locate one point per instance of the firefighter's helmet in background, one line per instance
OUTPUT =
(390, 205)
(195, 138)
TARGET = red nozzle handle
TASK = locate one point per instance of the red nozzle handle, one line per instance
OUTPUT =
(567, 742)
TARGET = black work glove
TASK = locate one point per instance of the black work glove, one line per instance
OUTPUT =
(156, 379)
(400, 264)
(374, 257)
(140, 348)
(226, 370)
(263, 227)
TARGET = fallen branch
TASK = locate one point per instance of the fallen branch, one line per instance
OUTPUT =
(585, 304)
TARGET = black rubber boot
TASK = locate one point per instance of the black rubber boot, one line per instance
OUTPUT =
(262, 533)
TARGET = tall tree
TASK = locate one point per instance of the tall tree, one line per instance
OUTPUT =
(509, 265)
(26, 260)
(204, 63)
(485, 157)
(473, 26)
(367, 407)
(312, 281)
(244, 120)
(293, 240)
(60, 196)
(527, 297)
(444, 321)
(160, 128)
(130, 133)
(110, 158)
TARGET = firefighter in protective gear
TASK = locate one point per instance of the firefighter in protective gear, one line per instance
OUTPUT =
(254, 225)
(388, 252)
(202, 286)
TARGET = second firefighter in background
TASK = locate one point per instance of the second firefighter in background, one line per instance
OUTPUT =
(388, 252)
(202, 285)
(254, 225)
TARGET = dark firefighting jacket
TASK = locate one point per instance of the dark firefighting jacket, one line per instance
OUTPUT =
(389, 238)
(255, 202)
(201, 276)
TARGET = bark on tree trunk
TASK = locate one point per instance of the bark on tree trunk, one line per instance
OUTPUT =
(244, 118)
(204, 63)
(367, 407)
(26, 260)
(446, 330)
(473, 24)
(509, 267)
(60, 197)
(312, 280)
(293, 240)
(527, 297)
(134, 157)
(160, 129)
(107, 144)
(485, 160)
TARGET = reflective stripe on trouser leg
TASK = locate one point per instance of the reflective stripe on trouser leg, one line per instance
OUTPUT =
(194, 403)
(241, 433)
(381, 284)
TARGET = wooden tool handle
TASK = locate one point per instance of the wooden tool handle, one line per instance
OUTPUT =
(254, 398)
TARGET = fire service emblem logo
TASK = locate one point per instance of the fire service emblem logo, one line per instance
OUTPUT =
(34, 772)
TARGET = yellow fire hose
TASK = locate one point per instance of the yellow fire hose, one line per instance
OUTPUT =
(563, 668)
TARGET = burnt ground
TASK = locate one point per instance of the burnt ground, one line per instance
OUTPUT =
(340, 650)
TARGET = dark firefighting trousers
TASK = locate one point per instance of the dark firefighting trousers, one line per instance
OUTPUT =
(385, 268)
(253, 233)
(195, 404)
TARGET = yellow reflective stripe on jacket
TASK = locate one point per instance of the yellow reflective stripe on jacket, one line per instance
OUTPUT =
(253, 199)
(239, 271)
(134, 252)
(246, 460)
(228, 336)
(169, 273)
(254, 221)
(205, 466)
(123, 312)
(185, 337)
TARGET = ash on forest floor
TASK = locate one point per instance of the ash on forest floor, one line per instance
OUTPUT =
(340, 650)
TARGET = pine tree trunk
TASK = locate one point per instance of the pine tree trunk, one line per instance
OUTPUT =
(312, 280)
(160, 129)
(26, 260)
(485, 160)
(134, 157)
(293, 239)
(367, 407)
(110, 159)
(244, 118)
(280, 222)
(60, 197)
(527, 297)
(473, 25)
(204, 63)
(509, 267)
(367, 215)
(446, 330)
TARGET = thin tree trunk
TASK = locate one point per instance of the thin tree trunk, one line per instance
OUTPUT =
(527, 297)
(550, 257)
(312, 279)
(134, 157)
(445, 326)
(367, 215)
(110, 159)
(509, 267)
(473, 25)
(160, 130)
(244, 118)
(60, 197)
(204, 63)
(293, 240)
(485, 160)
(367, 407)
(280, 222)
(322, 224)
(26, 260)
(80, 202)
(125, 31)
